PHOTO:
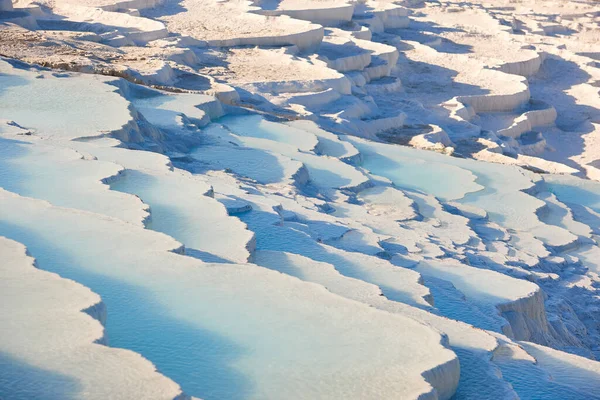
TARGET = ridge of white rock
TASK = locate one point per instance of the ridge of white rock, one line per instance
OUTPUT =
(111, 26)
(333, 12)
(488, 63)
(157, 270)
(53, 340)
(274, 133)
(65, 178)
(227, 24)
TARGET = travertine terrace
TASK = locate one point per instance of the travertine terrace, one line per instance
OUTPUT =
(299, 199)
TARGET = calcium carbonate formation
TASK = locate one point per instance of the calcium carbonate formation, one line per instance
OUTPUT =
(316, 199)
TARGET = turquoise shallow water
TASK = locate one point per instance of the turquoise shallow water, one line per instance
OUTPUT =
(180, 208)
(570, 189)
(210, 328)
(221, 331)
(413, 169)
(197, 358)
(496, 188)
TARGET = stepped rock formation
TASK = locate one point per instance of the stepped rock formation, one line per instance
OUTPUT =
(317, 199)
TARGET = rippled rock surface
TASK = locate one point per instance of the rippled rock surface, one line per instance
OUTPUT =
(191, 209)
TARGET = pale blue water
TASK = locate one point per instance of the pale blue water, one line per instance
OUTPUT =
(180, 209)
(11, 178)
(534, 383)
(216, 343)
(413, 169)
(260, 138)
(20, 380)
(59, 176)
(570, 189)
(495, 188)
(270, 236)
(221, 331)
(257, 127)
(199, 359)
(165, 110)
(258, 165)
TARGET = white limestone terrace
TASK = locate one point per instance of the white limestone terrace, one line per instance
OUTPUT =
(112, 5)
(328, 143)
(275, 72)
(480, 89)
(496, 189)
(444, 371)
(173, 281)
(301, 267)
(53, 341)
(112, 26)
(482, 355)
(70, 50)
(519, 301)
(528, 299)
(306, 235)
(308, 147)
(342, 54)
(501, 53)
(275, 142)
(178, 194)
(470, 40)
(323, 12)
(63, 177)
(57, 174)
(494, 32)
(274, 136)
(80, 116)
(232, 24)
(404, 263)
(176, 111)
